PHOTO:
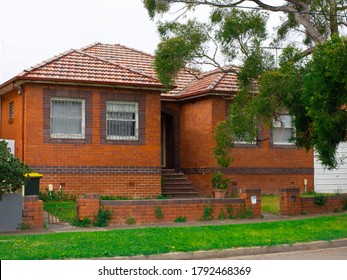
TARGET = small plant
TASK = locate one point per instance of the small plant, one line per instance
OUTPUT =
(161, 197)
(319, 200)
(86, 222)
(344, 208)
(48, 195)
(158, 213)
(180, 219)
(230, 211)
(221, 215)
(207, 214)
(130, 221)
(246, 214)
(102, 218)
(218, 182)
(337, 210)
(162, 181)
(24, 226)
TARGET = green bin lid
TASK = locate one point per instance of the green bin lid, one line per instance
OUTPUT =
(33, 175)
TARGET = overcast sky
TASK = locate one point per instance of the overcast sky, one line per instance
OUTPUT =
(35, 30)
(32, 31)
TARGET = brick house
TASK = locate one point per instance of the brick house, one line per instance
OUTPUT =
(98, 120)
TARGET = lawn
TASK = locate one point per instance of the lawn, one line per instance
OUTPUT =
(159, 240)
(270, 204)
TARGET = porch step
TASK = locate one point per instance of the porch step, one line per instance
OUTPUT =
(176, 185)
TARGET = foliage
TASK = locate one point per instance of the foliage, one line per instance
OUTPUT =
(344, 208)
(180, 219)
(24, 226)
(158, 213)
(12, 170)
(160, 240)
(221, 215)
(102, 218)
(207, 214)
(85, 222)
(130, 220)
(48, 195)
(218, 182)
(320, 199)
(310, 88)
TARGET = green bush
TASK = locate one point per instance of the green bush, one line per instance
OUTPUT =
(12, 170)
(86, 222)
(102, 218)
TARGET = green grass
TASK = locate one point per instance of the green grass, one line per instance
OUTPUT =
(149, 241)
(65, 211)
(270, 204)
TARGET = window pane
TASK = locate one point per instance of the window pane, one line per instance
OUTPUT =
(283, 130)
(67, 118)
(282, 135)
(122, 120)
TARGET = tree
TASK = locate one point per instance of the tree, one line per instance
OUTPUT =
(309, 81)
(12, 170)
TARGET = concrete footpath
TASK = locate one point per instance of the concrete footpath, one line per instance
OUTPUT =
(200, 255)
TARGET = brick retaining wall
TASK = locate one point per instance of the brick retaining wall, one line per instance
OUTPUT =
(291, 203)
(146, 211)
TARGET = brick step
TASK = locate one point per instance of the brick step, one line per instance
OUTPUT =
(180, 194)
(176, 185)
(181, 187)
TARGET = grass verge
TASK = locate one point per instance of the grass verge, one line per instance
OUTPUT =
(160, 240)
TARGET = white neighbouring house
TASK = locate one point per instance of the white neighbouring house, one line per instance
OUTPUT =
(11, 145)
(332, 181)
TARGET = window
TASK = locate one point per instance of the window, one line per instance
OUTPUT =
(122, 120)
(11, 111)
(67, 118)
(283, 130)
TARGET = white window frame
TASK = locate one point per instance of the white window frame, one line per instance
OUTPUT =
(83, 120)
(278, 124)
(136, 120)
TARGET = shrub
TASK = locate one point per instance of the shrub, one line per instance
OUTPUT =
(180, 219)
(12, 170)
(102, 218)
(319, 199)
(207, 214)
(81, 223)
(158, 212)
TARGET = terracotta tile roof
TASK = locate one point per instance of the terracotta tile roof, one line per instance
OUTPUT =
(117, 64)
(211, 82)
(76, 65)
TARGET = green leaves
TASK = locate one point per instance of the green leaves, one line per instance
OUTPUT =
(325, 97)
(12, 170)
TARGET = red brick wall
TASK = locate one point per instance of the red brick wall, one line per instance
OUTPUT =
(292, 204)
(12, 129)
(33, 212)
(254, 166)
(144, 211)
(120, 168)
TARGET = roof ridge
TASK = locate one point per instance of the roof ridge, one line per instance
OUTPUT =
(117, 65)
(90, 45)
(133, 49)
(45, 62)
(216, 81)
